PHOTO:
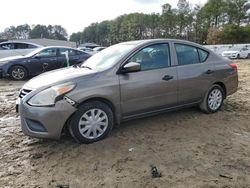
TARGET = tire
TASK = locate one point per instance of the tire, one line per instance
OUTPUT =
(238, 56)
(18, 72)
(87, 128)
(211, 104)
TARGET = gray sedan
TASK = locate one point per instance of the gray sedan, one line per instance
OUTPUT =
(125, 81)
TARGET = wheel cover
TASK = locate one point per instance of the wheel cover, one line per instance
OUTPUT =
(215, 99)
(18, 73)
(93, 123)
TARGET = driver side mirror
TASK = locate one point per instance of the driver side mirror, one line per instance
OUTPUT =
(37, 56)
(131, 67)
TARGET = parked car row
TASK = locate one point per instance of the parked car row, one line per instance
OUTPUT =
(39, 61)
(125, 81)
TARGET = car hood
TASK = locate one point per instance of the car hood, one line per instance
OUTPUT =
(58, 77)
(6, 59)
(231, 52)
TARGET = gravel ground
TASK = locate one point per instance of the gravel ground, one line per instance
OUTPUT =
(189, 149)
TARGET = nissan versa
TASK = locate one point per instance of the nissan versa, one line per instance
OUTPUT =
(125, 81)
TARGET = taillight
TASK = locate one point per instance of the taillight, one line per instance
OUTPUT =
(233, 66)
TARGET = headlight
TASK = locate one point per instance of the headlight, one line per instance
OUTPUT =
(48, 96)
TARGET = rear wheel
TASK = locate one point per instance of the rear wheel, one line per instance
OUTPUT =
(18, 72)
(213, 100)
(92, 122)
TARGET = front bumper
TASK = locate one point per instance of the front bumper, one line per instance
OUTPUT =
(44, 122)
(3, 73)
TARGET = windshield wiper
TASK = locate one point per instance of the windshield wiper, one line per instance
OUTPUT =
(86, 67)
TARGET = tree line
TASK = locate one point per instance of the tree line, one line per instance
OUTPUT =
(218, 21)
(26, 31)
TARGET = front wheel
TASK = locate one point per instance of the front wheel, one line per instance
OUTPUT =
(92, 122)
(18, 72)
(213, 100)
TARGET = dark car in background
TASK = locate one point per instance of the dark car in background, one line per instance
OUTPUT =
(39, 61)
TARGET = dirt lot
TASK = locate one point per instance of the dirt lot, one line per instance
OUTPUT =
(189, 148)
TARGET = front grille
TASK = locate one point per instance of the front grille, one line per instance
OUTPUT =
(24, 92)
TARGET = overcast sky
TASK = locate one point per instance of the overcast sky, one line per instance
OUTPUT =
(74, 15)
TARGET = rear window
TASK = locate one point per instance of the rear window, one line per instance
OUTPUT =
(187, 54)
(203, 55)
(31, 46)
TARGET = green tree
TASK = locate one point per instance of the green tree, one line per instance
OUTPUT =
(200, 24)
(232, 34)
(76, 37)
(18, 32)
(50, 32)
(236, 10)
(39, 31)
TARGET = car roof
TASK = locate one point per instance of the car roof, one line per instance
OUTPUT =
(13, 41)
(138, 42)
(46, 47)
(153, 41)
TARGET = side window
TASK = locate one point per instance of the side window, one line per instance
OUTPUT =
(80, 53)
(51, 52)
(8, 46)
(21, 46)
(203, 55)
(31, 46)
(62, 51)
(186, 54)
(153, 57)
(72, 52)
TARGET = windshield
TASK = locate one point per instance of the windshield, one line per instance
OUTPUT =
(235, 49)
(108, 57)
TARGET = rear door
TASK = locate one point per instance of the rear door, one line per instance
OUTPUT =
(195, 72)
(154, 87)
(62, 60)
(76, 57)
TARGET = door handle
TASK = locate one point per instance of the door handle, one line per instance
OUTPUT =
(209, 71)
(45, 65)
(167, 77)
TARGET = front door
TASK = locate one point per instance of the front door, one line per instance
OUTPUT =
(43, 61)
(154, 87)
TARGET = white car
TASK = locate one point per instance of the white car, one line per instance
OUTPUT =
(87, 50)
(16, 48)
(237, 53)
